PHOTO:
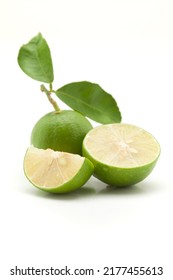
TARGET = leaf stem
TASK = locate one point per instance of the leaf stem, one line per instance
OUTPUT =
(51, 100)
(50, 86)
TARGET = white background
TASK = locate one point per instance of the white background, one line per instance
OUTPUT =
(127, 47)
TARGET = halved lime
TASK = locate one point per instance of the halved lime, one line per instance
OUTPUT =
(122, 154)
(56, 172)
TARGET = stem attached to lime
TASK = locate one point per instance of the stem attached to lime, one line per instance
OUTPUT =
(51, 100)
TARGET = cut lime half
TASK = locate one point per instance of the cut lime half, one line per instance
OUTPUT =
(56, 172)
(122, 154)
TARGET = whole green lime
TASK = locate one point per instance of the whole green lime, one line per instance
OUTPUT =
(61, 131)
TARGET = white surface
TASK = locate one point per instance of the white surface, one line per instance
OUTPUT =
(126, 47)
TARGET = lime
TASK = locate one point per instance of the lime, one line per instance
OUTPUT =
(56, 172)
(122, 154)
(61, 131)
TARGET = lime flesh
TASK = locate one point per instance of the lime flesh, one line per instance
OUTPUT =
(56, 172)
(63, 131)
(122, 154)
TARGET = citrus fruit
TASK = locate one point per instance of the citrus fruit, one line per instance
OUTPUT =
(122, 154)
(56, 172)
(61, 131)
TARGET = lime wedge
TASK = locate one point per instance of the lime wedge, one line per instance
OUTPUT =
(122, 154)
(56, 172)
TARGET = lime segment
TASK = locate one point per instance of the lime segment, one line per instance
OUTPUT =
(54, 171)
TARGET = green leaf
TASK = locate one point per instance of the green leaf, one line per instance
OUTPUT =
(90, 100)
(35, 60)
